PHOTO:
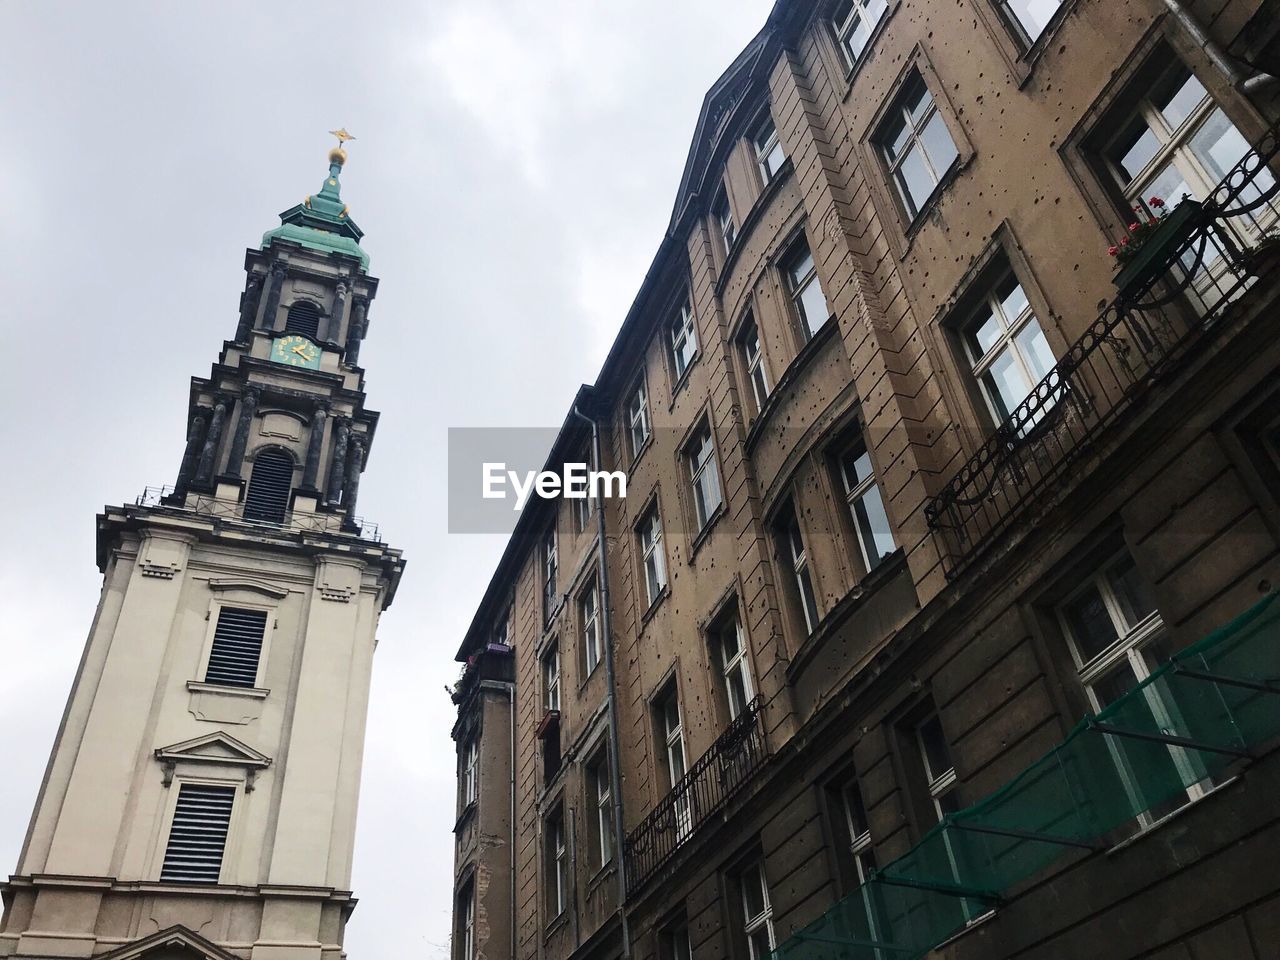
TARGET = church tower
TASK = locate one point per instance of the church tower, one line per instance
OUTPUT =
(200, 799)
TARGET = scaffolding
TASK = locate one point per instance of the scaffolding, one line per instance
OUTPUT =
(1190, 725)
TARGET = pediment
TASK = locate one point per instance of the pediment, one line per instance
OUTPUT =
(173, 943)
(217, 747)
(248, 583)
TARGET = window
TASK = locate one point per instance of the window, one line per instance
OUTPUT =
(500, 628)
(916, 145)
(1006, 347)
(757, 914)
(198, 834)
(769, 153)
(303, 317)
(237, 647)
(1178, 142)
(866, 507)
(668, 708)
(467, 929)
(684, 340)
(805, 289)
(705, 475)
(470, 771)
(673, 942)
(551, 679)
(1117, 638)
(638, 419)
(1028, 18)
(753, 358)
(589, 610)
(855, 854)
(655, 564)
(939, 771)
(853, 22)
(582, 510)
(557, 863)
(550, 570)
(793, 550)
(731, 655)
(724, 221)
(270, 484)
(602, 800)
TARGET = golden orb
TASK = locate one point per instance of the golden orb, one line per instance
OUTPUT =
(338, 155)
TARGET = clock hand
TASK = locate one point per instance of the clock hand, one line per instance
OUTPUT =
(300, 352)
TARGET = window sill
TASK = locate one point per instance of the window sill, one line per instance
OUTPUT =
(653, 607)
(252, 693)
(789, 376)
(600, 875)
(555, 924)
(467, 813)
(705, 532)
(1029, 58)
(644, 448)
(958, 166)
(1168, 818)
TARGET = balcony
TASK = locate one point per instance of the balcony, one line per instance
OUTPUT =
(308, 521)
(699, 795)
(1173, 297)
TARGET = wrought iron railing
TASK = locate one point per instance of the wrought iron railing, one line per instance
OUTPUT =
(225, 509)
(700, 794)
(1210, 255)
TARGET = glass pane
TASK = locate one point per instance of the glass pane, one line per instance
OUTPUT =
(1169, 185)
(737, 692)
(1114, 685)
(918, 99)
(933, 741)
(895, 138)
(1180, 100)
(800, 267)
(1013, 300)
(1219, 145)
(1034, 15)
(873, 522)
(671, 715)
(1006, 383)
(1090, 624)
(752, 894)
(760, 947)
(774, 161)
(857, 466)
(1132, 591)
(939, 145)
(984, 334)
(814, 306)
(1035, 350)
(855, 812)
(915, 180)
(1135, 150)
(729, 644)
(874, 10)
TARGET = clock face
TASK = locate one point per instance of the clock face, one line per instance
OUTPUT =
(296, 351)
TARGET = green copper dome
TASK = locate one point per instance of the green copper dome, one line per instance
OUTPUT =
(320, 222)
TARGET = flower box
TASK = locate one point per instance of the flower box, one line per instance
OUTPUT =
(1149, 262)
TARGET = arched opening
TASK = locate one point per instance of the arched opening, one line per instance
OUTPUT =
(304, 318)
(269, 487)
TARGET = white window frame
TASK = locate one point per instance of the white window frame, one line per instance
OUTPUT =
(230, 842)
(676, 944)
(550, 574)
(1006, 342)
(469, 922)
(638, 426)
(684, 341)
(753, 356)
(1020, 28)
(940, 783)
(900, 112)
(856, 490)
(762, 920)
(861, 849)
(589, 609)
(604, 807)
(677, 759)
(652, 558)
(798, 554)
(765, 144)
(704, 476)
(724, 222)
(470, 771)
(502, 628)
(737, 664)
(797, 286)
(558, 851)
(867, 12)
(551, 678)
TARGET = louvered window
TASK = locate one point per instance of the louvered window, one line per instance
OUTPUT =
(269, 487)
(303, 317)
(237, 647)
(198, 836)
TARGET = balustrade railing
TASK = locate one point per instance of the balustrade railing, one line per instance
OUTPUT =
(700, 794)
(1174, 297)
(310, 521)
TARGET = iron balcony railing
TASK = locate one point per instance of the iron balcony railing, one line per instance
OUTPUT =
(700, 794)
(224, 509)
(1203, 259)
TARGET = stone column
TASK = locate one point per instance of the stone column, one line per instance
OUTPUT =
(356, 333)
(341, 432)
(248, 406)
(191, 455)
(315, 443)
(355, 464)
(339, 308)
(248, 307)
(273, 296)
(210, 451)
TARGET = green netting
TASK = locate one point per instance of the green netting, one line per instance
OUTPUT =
(1182, 730)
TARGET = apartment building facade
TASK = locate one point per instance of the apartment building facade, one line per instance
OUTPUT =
(924, 482)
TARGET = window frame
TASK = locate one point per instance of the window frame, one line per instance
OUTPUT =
(752, 923)
(764, 152)
(857, 12)
(650, 534)
(550, 575)
(162, 851)
(601, 798)
(898, 112)
(638, 417)
(556, 853)
(269, 625)
(726, 223)
(740, 662)
(551, 678)
(468, 927)
(673, 749)
(682, 335)
(703, 463)
(794, 551)
(757, 372)
(796, 287)
(856, 493)
(470, 770)
(589, 620)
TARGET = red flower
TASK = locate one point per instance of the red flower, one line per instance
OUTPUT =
(1133, 227)
(1124, 241)
(1156, 202)
(1112, 250)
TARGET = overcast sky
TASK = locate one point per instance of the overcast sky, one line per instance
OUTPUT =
(515, 168)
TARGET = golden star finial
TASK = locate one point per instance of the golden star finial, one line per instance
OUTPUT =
(342, 135)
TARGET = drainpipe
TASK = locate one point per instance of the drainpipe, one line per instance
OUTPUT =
(615, 775)
(1231, 69)
(511, 719)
